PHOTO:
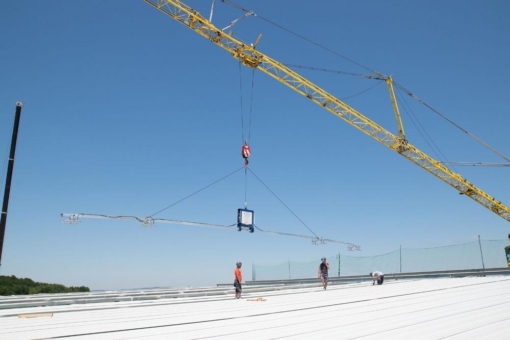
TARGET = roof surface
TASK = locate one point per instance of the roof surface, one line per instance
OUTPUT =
(457, 308)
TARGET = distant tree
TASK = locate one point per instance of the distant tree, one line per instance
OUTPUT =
(11, 285)
(79, 289)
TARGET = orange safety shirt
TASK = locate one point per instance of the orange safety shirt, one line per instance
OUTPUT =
(238, 275)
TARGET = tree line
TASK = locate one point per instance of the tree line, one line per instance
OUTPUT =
(11, 285)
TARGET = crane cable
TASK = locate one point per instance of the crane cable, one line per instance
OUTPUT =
(477, 164)
(246, 151)
(285, 205)
(233, 4)
(196, 192)
(378, 76)
(336, 71)
(360, 93)
(419, 127)
(409, 93)
(150, 217)
(241, 102)
(246, 169)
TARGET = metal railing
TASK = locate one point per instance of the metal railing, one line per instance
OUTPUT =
(391, 276)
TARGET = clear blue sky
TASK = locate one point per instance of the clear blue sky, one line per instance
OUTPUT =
(126, 111)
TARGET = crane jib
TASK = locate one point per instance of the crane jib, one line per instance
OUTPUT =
(250, 57)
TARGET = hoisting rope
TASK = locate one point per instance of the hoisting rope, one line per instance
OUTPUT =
(196, 192)
(246, 149)
(241, 102)
(285, 205)
(251, 101)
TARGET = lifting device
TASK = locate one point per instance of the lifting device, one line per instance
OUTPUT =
(250, 57)
(149, 222)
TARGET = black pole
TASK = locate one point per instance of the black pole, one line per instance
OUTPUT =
(5, 205)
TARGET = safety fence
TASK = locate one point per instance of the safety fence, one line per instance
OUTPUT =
(472, 255)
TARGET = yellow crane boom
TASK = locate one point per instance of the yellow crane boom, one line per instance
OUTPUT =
(249, 56)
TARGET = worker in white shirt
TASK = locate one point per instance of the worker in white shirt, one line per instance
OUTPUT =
(377, 276)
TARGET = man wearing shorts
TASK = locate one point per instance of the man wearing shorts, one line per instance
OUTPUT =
(323, 272)
(238, 278)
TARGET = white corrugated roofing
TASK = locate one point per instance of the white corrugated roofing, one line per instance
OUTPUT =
(459, 308)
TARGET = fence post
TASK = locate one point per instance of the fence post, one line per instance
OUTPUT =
(338, 264)
(401, 258)
(481, 254)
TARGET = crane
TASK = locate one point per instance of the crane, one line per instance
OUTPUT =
(249, 56)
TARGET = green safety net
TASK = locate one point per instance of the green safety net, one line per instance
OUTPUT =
(471, 255)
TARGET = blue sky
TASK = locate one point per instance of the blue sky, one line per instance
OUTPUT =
(126, 111)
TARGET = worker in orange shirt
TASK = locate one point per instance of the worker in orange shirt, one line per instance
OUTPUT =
(238, 278)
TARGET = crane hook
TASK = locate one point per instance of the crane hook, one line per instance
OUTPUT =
(246, 152)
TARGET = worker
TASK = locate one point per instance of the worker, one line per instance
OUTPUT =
(238, 278)
(323, 272)
(246, 152)
(377, 276)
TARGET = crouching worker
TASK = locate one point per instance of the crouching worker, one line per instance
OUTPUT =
(238, 278)
(377, 276)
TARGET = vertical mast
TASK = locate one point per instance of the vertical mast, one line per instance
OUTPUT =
(3, 218)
